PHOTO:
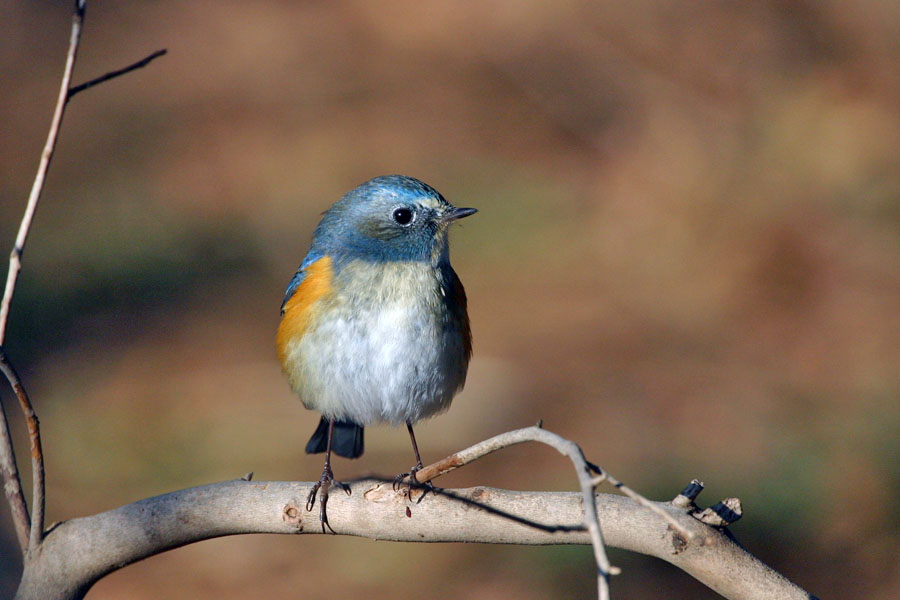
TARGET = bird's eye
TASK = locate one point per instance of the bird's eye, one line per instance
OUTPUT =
(402, 216)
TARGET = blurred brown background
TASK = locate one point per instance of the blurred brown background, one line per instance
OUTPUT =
(686, 259)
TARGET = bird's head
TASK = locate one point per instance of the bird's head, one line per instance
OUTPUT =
(390, 218)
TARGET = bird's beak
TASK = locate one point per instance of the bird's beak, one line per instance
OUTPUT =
(457, 213)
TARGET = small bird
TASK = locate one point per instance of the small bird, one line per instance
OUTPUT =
(374, 326)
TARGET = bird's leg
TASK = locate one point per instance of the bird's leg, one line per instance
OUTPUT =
(325, 482)
(412, 472)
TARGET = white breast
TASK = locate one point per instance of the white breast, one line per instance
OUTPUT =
(382, 349)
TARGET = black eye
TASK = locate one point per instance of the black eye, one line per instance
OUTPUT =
(402, 216)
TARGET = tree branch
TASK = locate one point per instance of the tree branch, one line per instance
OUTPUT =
(8, 469)
(113, 74)
(77, 553)
(464, 457)
(566, 448)
(11, 482)
(12, 485)
(37, 453)
(15, 257)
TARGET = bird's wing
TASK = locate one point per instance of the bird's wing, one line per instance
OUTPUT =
(299, 276)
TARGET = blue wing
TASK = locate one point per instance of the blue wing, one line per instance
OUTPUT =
(300, 275)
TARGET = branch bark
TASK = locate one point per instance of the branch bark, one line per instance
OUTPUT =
(565, 447)
(77, 553)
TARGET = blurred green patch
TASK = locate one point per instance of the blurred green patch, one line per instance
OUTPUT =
(883, 440)
(524, 216)
(120, 262)
(788, 502)
(567, 569)
(648, 577)
(148, 446)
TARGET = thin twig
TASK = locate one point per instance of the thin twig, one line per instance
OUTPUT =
(112, 74)
(565, 447)
(603, 475)
(12, 485)
(37, 454)
(11, 478)
(15, 257)
(464, 457)
(11, 481)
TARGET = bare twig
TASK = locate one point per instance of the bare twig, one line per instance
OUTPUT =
(112, 74)
(464, 457)
(37, 454)
(605, 476)
(12, 485)
(15, 257)
(10, 476)
(11, 482)
(565, 447)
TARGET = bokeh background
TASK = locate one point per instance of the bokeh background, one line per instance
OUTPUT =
(687, 259)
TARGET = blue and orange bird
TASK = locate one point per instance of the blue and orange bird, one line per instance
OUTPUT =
(374, 326)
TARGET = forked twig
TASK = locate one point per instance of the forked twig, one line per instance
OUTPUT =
(582, 469)
(11, 482)
(603, 475)
(15, 257)
(15, 265)
(464, 457)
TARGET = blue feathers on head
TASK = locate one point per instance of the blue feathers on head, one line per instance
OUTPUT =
(388, 218)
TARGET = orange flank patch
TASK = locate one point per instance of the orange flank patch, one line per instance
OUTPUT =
(300, 309)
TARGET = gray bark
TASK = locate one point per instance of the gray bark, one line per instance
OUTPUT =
(77, 553)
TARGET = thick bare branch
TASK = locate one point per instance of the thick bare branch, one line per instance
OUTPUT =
(77, 553)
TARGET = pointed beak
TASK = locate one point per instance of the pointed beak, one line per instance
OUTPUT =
(457, 213)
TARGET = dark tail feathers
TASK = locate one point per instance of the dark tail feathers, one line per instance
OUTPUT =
(347, 440)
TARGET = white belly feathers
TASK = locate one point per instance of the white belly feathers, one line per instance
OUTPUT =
(382, 349)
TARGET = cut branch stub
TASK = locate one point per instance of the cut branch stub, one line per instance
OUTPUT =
(686, 497)
(722, 513)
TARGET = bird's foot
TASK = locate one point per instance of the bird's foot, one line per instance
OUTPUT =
(412, 482)
(321, 487)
